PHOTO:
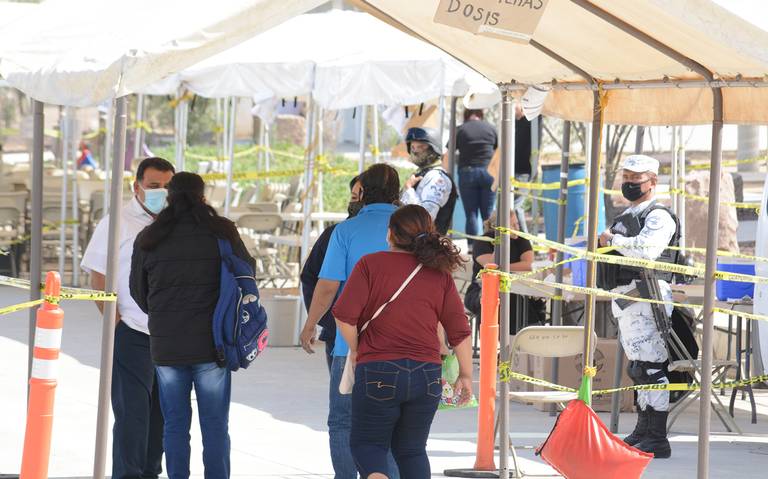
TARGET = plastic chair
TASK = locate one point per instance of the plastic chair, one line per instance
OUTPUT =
(10, 219)
(545, 342)
(270, 268)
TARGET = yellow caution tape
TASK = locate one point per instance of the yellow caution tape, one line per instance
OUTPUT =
(80, 294)
(140, 125)
(187, 96)
(20, 306)
(590, 371)
(543, 199)
(523, 185)
(506, 374)
(706, 166)
(95, 134)
(641, 263)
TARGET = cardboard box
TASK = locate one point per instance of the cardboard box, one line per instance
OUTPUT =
(570, 373)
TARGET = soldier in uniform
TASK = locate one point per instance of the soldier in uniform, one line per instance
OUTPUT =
(644, 231)
(431, 186)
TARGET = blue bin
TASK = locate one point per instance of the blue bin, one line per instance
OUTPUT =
(578, 267)
(575, 206)
(725, 290)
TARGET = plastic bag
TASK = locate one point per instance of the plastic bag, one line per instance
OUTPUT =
(449, 376)
(581, 447)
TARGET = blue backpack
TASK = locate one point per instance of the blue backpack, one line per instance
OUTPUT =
(239, 321)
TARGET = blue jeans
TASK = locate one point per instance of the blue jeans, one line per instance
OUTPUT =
(477, 196)
(137, 437)
(212, 390)
(393, 405)
(340, 425)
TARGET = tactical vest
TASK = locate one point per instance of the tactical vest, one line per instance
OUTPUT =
(444, 216)
(610, 276)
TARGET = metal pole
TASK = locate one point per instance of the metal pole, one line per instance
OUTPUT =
(139, 130)
(534, 161)
(587, 167)
(230, 152)
(363, 125)
(562, 211)
(108, 137)
(674, 178)
(710, 266)
(441, 117)
(681, 185)
(110, 308)
(320, 153)
(36, 214)
(376, 152)
(73, 128)
(64, 134)
(592, 218)
(308, 182)
(507, 199)
(452, 138)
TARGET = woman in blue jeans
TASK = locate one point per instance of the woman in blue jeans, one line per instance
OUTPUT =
(398, 375)
(175, 271)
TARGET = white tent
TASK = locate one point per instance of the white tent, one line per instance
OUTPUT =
(82, 52)
(343, 59)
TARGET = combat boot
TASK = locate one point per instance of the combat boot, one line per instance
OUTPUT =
(656, 439)
(641, 428)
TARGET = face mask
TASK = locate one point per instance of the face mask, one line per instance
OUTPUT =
(154, 199)
(354, 207)
(632, 191)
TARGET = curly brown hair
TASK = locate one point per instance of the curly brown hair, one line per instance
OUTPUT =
(413, 230)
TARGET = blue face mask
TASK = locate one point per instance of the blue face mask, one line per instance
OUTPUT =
(154, 199)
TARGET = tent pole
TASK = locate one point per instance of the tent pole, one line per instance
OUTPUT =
(363, 135)
(108, 135)
(441, 117)
(320, 153)
(681, 184)
(375, 117)
(139, 130)
(308, 181)
(110, 307)
(710, 266)
(506, 200)
(36, 214)
(230, 152)
(557, 305)
(674, 177)
(65, 153)
(534, 160)
(451, 166)
(73, 128)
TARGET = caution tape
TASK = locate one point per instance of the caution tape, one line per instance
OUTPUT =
(543, 199)
(524, 185)
(244, 153)
(707, 166)
(94, 134)
(639, 262)
(18, 307)
(187, 96)
(506, 374)
(47, 228)
(140, 125)
(76, 294)
(475, 237)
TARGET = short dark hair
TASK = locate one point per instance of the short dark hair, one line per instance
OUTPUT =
(469, 112)
(155, 162)
(381, 184)
(353, 181)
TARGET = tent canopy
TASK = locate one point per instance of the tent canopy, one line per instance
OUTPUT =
(82, 52)
(343, 58)
(726, 45)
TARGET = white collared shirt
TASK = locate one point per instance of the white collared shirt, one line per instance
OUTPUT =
(133, 219)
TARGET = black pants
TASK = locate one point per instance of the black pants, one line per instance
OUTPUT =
(137, 446)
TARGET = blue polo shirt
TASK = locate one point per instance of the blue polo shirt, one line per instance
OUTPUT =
(352, 239)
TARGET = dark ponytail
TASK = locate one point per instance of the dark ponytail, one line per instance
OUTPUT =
(186, 197)
(413, 230)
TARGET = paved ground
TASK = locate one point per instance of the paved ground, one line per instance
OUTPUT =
(279, 409)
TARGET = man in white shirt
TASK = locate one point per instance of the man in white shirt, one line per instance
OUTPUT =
(137, 445)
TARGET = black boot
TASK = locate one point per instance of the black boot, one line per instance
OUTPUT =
(641, 428)
(656, 440)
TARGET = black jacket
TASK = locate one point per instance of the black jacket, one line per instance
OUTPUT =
(310, 274)
(177, 285)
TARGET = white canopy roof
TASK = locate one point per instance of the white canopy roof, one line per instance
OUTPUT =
(343, 58)
(726, 45)
(82, 52)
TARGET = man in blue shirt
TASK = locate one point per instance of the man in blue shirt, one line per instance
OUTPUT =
(352, 239)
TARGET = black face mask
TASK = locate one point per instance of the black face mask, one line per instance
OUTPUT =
(632, 191)
(354, 207)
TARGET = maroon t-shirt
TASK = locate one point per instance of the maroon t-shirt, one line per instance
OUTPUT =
(407, 327)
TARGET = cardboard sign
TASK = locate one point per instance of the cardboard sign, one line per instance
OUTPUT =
(513, 20)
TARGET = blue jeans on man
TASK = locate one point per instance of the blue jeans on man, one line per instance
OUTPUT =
(212, 389)
(477, 196)
(137, 444)
(393, 405)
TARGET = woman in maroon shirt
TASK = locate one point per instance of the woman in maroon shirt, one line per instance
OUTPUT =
(397, 378)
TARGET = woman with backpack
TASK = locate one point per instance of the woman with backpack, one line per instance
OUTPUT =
(175, 275)
(389, 314)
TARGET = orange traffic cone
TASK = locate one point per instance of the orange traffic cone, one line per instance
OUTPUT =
(42, 384)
